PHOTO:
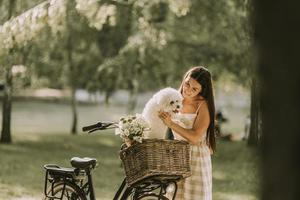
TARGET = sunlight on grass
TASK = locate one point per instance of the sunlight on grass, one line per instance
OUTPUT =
(16, 192)
(233, 196)
(11, 148)
(27, 198)
(219, 175)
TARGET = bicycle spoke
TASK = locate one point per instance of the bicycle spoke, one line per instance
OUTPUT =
(68, 196)
(67, 192)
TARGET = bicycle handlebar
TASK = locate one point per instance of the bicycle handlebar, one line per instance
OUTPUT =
(99, 126)
(90, 127)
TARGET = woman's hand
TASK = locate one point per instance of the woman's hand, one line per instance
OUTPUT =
(166, 118)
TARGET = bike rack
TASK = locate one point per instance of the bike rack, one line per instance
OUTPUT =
(56, 173)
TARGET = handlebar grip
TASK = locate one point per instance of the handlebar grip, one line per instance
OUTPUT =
(91, 127)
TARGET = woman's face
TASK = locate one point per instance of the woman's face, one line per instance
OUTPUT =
(191, 88)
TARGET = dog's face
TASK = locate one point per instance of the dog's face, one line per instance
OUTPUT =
(169, 100)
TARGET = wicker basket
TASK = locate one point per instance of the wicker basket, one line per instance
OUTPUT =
(156, 157)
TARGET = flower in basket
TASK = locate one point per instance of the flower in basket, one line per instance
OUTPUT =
(133, 128)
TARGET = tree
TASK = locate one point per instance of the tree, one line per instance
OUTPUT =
(76, 32)
(130, 42)
(14, 34)
(138, 60)
(6, 113)
(277, 43)
(255, 116)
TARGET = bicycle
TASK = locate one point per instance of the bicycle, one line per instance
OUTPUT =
(75, 183)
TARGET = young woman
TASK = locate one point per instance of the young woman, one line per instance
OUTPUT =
(195, 124)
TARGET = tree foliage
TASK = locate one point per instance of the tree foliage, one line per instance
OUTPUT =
(106, 45)
(148, 39)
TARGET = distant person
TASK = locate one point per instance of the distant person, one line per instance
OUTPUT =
(247, 128)
(2, 86)
(196, 124)
(220, 118)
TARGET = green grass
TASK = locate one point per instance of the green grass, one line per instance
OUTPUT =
(21, 163)
(40, 136)
(236, 174)
(235, 166)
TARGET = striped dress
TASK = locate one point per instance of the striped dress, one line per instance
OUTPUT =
(199, 185)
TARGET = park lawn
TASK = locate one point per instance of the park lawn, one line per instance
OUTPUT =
(235, 166)
(236, 171)
(22, 172)
(40, 135)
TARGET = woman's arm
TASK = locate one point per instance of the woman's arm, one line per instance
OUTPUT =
(199, 128)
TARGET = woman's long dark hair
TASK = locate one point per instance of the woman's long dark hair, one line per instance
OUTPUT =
(203, 77)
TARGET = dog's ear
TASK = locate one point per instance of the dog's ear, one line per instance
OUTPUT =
(164, 97)
(160, 99)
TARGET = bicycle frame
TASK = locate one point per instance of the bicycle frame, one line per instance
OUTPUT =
(56, 175)
(90, 187)
(72, 177)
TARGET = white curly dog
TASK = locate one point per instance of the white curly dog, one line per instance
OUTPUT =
(167, 100)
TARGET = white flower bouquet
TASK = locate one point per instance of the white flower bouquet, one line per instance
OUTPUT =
(132, 128)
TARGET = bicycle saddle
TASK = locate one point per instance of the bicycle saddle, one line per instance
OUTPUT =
(83, 163)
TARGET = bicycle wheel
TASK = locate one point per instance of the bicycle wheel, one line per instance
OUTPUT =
(129, 195)
(152, 197)
(71, 192)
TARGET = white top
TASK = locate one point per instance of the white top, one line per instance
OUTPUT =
(185, 120)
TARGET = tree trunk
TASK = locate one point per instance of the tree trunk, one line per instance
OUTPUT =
(74, 111)
(72, 79)
(132, 101)
(72, 69)
(7, 105)
(133, 93)
(7, 98)
(108, 94)
(277, 41)
(255, 125)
